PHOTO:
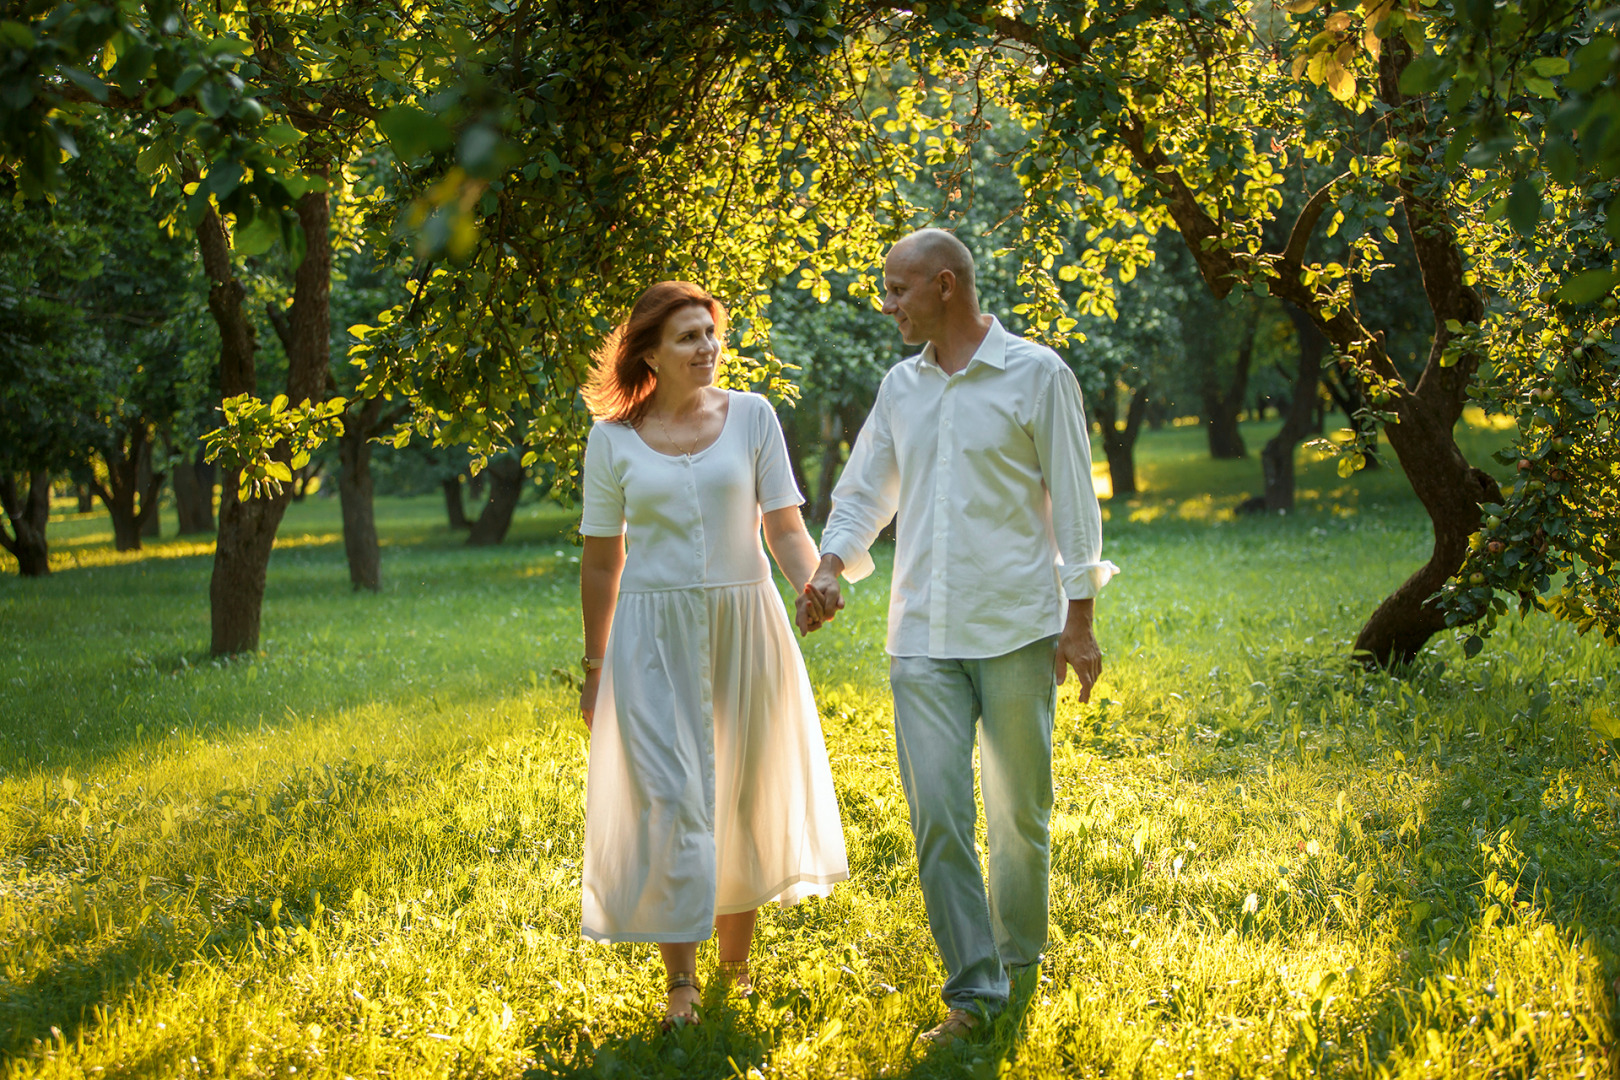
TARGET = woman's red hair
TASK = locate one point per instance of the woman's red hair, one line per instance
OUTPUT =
(620, 385)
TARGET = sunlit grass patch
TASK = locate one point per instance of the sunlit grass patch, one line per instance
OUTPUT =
(357, 852)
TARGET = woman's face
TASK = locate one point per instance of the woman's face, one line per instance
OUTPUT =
(689, 353)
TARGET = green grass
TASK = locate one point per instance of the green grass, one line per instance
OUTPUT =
(356, 854)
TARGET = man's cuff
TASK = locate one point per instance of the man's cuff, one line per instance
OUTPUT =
(857, 560)
(1086, 580)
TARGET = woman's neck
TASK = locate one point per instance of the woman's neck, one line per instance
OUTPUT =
(678, 403)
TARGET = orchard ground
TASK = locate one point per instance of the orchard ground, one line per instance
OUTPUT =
(357, 853)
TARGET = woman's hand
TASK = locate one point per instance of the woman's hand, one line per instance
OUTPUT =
(587, 696)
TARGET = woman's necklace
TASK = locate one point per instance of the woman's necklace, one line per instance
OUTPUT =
(665, 429)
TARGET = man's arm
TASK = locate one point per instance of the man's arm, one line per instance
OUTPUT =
(864, 500)
(1063, 445)
(1078, 648)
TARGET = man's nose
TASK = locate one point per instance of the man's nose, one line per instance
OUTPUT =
(889, 306)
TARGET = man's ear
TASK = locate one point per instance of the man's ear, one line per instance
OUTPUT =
(947, 285)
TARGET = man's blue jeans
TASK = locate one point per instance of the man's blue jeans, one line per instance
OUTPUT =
(937, 704)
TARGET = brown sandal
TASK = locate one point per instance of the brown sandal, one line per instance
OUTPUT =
(734, 973)
(678, 981)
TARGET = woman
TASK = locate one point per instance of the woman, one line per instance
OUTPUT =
(709, 791)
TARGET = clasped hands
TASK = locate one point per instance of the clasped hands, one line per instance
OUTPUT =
(821, 598)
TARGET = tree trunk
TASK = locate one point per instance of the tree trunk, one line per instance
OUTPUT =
(87, 498)
(151, 524)
(505, 488)
(832, 444)
(194, 498)
(455, 508)
(124, 486)
(355, 492)
(1119, 444)
(247, 529)
(794, 441)
(29, 515)
(1277, 458)
(1222, 406)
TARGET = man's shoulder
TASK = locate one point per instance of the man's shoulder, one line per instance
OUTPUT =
(1027, 352)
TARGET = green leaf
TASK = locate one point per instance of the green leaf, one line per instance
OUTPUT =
(1549, 66)
(1605, 722)
(1423, 75)
(412, 132)
(187, 79)
(1524, 207)
(224, 178)
(1472, 645)
(151, 159)
(16, 35)
(88, 82)
(215, 98)
(258, 235)
(1584, 288)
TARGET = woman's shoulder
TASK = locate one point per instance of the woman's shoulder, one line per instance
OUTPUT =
(755, 406)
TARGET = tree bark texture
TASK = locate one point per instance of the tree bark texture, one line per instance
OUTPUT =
(194, 498)
(1119, 444)
(151, 525)
(832, 456)
(356, 493)
(1222, 405)
(505, 488)
(794, 440)
(247, 529)
(29, 513)
(1277, 457)
(455, 507)
(87, 498)
(131, 498)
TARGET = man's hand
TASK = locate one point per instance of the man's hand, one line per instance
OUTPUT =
(807, 612)
(1077, 648)
(587, 696)
(821, 598)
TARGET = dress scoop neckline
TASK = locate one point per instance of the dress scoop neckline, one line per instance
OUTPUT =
(694, 455)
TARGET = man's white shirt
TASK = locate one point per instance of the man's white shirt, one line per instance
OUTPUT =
(990, 472)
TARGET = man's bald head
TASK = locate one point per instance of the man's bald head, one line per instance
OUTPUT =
(932, 250)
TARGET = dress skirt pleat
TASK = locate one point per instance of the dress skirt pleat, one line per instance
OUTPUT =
(709, 790)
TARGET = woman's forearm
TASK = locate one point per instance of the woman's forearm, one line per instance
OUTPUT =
(599, 570)
(795, 553)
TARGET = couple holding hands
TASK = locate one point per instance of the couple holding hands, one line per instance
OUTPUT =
(709, 791)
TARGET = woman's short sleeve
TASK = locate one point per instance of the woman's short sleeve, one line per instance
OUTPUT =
(773, 475)
(604, 494)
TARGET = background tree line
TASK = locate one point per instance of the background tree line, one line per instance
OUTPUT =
(1211, 208)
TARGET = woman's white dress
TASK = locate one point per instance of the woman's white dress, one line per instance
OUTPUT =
(709, 790)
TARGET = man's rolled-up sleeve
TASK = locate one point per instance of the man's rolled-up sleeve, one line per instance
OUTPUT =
(1063, 445)
(866, 495)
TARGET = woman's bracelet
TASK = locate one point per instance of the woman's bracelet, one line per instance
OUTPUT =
(590, 663)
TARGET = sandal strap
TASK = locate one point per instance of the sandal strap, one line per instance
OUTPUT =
(733, 970)
(681, 979)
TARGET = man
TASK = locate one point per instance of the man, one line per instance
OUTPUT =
(980, 443)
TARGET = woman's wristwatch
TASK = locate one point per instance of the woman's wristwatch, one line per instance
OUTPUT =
(590, 663)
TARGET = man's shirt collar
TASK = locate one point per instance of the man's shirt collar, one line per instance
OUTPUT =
(992, 350)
